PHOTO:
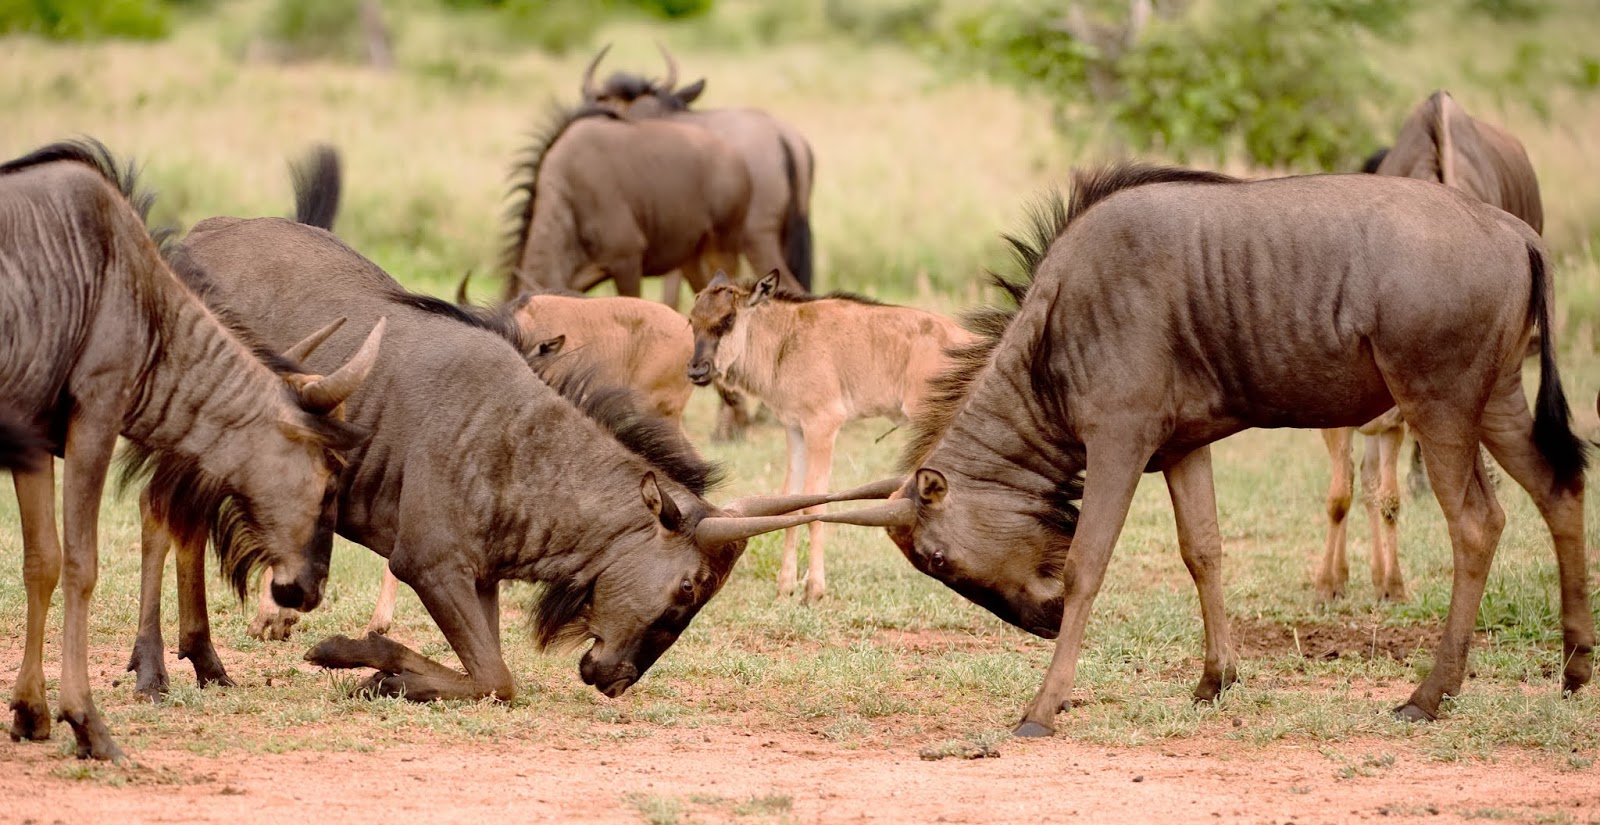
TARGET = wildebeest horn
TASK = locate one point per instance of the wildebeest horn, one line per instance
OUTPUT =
(671, 82)
(716, 531)
(309, 344)
(777, 505)
(324, 394)
(589, 91)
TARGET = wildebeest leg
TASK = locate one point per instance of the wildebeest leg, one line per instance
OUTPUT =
(383, 611)
(1109, 482)
(41, 569)
(489, 603)
(672, 288)
(194, 616)
(819, 440)
(1417, 479)
(733, 417)
(1380, 486)
(1508, 432)
(1334, 571)
(765, 253)
(1461, 484)
(272, 623)
(793, 482)
(1194, 503)
(90, 441)
(149, 652)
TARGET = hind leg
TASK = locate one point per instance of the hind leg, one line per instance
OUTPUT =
(1461, 485)
(1194, 503)
(1508, 432)
(148, 660)
(1334, 571)
(41, 570)
(789, 565)
(1380, 484)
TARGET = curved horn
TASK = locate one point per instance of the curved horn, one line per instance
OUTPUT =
(324, 394)
(777, 505)
(671, 81)
(590, 93)
(309, 344)
(902, 512)
(715, 531)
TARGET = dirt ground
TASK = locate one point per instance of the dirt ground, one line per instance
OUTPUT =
(723, 776)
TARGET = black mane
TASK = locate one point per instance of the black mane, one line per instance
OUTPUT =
(525, 180)
(630, 87)
(789, 296)
(93, 154)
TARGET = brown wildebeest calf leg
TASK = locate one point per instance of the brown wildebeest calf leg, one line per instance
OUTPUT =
(1508, 432)
(793, 480)
(1334, 572)
(272, 623)
(91, 440)
(820, 437)
(41, 570)
(1116, 462)
(1380, 488)
(1194, 503)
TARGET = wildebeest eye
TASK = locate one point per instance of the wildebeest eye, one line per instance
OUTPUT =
(687, 588)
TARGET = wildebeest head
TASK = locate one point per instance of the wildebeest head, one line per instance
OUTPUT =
(713, 318)
(630, 94)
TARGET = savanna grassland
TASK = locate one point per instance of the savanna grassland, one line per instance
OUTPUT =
(920, 168)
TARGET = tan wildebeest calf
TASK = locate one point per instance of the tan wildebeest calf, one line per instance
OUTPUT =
(816, 362)
(1439, 142)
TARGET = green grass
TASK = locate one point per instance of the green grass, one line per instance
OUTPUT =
(918, 173)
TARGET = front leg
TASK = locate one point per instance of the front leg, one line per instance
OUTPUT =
(819, 441)
(194, 616)
(793, 479)
(383, 612)
(41, 570)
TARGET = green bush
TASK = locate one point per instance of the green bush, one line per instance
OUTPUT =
(314, 29)
(558, 26)
(85, 19)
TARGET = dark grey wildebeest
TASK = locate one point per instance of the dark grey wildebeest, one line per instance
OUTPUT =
(1439, 142)
(1168, 309)
(478, 472)
(779, 158)
(605, 197)
(99, 339)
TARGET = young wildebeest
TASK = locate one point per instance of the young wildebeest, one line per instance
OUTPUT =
(604, 197)
(478, 472)
(1441, 143)
(1170, 308)
(99, 340)
(778, 156)
(816, 362)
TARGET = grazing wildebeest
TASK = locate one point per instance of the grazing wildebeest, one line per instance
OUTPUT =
(97, 339)
(779, 158)
(1441, 143)
(477, 472)
(817, 363)
(606, 197)
(1170, 308)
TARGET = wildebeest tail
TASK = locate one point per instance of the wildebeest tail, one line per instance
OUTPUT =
(1552, 421)
(796, 222)
(21, 448)
(316, 187)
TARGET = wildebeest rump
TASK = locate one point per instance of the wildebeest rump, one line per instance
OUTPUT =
(477, 472)
(97, 339)
(603, 197)
(817, 363)
(779, 158)
(1170, 308)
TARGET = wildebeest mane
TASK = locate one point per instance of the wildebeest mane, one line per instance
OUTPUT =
(789, 296)
(559, 613)
(93, 154)
(488, 319)
(525, 179)
(630, 87)
(1047, 220)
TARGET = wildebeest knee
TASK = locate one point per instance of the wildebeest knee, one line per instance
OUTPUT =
(1389, 507)
(1338, 507)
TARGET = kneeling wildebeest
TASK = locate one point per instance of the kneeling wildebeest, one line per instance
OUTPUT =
(816, 362)
(605, 197)
(100, 339)
(478, 472)
(1439, 142)
(778, 157)
(1170, 308)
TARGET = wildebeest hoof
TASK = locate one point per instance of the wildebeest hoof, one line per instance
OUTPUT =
(1032, 730)
(334, 652)
(378, 629)
(273, 625)
(94, 738)
(1410, 712)
(152, 686)
(30, 721)
(378, 685)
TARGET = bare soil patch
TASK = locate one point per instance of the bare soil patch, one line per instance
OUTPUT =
(1336, 639)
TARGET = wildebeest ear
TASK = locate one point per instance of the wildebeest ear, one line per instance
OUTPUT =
(660, 504)
(720, 279)
(687, 94)
(763, 288)
(931, 487)
(549, 347)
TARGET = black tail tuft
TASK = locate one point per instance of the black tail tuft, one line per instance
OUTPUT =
(796, 223)
(21, 448)
(316, 187)
(1552, 421)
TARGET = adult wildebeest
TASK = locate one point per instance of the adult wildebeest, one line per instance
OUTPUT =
(1169, 308)
(478, 472)
(817, 363)
(97, 339)
(606, 197)
(779, 158)
(1441, 143)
